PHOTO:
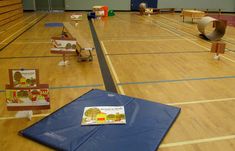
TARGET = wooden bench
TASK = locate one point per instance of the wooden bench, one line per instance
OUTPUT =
(82, 43)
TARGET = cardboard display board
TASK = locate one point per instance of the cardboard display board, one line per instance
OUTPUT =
(23, 78)
(24, 91)
(63, 44)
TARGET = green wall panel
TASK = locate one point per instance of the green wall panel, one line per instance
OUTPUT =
(28, 5)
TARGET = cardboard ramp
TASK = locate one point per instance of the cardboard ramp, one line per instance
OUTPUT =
(219, 31)
(146, 125)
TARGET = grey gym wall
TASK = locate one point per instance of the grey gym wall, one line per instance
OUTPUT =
(87, 4)
(224, 5)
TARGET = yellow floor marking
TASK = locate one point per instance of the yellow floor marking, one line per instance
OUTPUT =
(36, 115)
(228, 58)
(122, 92)
(197, 141)
(201, 101)
(30, 42)
(40, 115)
(112, 68)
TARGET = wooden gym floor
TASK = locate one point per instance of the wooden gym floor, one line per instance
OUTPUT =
(159, 58)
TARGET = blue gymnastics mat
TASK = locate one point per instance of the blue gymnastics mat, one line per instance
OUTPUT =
(54, 24)
(147, 124)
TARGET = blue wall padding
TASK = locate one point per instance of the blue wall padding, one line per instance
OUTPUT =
(147, 124)
(150, 4)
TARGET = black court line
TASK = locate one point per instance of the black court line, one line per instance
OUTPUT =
(31, 57)
(23, 32)
(147, 53)
(108, 80)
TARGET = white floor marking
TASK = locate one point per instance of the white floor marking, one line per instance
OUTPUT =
(9, 118)
(141, 39)
(197, 141)
(202, 101)
(30, 42)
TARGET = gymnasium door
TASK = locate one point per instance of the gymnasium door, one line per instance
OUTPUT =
(150, 3)
(49, 5)
(57, 4)
(42, 5)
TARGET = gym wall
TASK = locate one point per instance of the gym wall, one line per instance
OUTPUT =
(213, 5)
(225, 5)
(87, 4)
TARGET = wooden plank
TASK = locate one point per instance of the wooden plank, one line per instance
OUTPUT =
(10, 8)
(9, 2)
(10, 128)
(150, 46)
(155, 67)
(184, 91)
(12, 18)
(12, 33)
(10, 14)
(14, 22)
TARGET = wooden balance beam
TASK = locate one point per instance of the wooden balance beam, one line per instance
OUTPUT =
(194, 14)
(82, 43)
